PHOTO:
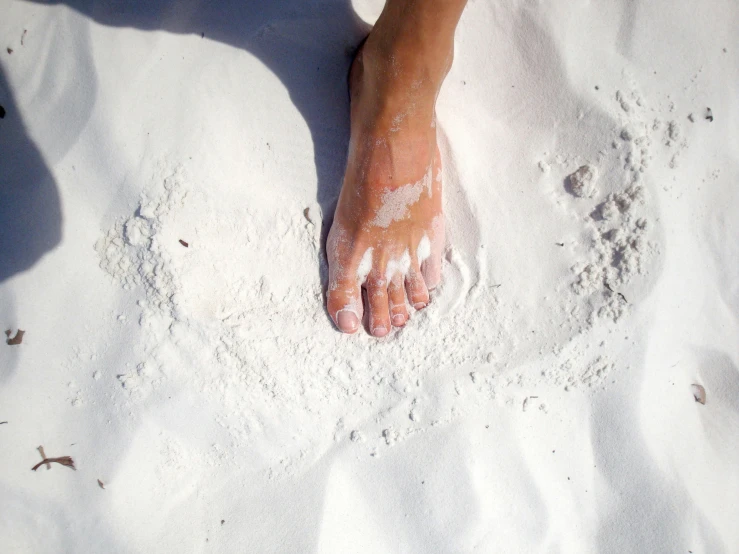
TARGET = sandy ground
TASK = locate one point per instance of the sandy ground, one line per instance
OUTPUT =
(544, 402)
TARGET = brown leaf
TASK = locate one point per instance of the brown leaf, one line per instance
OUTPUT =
(699, 393)
(64, 460)
(102, 486)
(17, 339)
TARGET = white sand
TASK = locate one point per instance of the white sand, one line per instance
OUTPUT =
(542, 403)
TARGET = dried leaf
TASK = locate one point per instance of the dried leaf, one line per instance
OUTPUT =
(64, 460)
(621, 296)
(102, 486)
(699, 393)
(17, 339)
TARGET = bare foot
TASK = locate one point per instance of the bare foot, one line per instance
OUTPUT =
(388, 231)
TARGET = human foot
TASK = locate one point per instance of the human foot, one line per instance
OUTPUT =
(388, 231)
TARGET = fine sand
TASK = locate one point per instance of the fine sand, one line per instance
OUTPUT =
(168, 172)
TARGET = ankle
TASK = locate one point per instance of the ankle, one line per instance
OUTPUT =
(417, 37)
(400, 81)
(392, 102)
(406, 62)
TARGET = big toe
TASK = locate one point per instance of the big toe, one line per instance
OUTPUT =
(347, 321)
(344, 305)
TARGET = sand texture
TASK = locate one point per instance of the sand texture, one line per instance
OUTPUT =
(168, 172)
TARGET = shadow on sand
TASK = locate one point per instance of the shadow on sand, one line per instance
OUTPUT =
(30, 213)
(308, 45)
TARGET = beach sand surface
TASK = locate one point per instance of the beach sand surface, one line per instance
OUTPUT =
(168, 173)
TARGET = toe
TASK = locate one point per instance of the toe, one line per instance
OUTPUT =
(344, 295)
(431, 267)
(347, 320)
(396, 296)
(379, 320)
(344, 301)
(418, 294)
(344, 304)
(431, 271)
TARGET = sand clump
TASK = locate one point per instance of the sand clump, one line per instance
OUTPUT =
(583, 181)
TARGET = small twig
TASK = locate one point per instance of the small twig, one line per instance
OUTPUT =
(3, 422)
(23, 36)
(43, 457)
(64, 460)
(616, 293)
(526, 401)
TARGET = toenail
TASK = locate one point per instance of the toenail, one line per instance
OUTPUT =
(419, 305)
(379, 331)
(398, 320)
(347, 321)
